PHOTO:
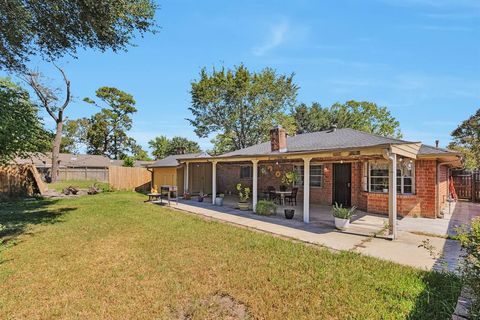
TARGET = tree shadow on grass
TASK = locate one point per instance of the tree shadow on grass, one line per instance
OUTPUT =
(16, 216)
(439, 298)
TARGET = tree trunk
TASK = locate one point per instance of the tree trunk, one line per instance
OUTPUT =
(56, 150)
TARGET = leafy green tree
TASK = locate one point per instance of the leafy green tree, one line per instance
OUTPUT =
(74, 133)
(240, 104)
(179, 145)
(138, 153)
(162, 146)
(21, 131)
(466, 139)
(107, 130)
(363, 116)
(50, 29)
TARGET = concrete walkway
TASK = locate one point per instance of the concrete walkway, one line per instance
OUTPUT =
(420, 251)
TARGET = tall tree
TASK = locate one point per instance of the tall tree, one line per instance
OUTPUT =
(107, 132)
(159, 146)
(240, 104)
(48, 99)
(466, 139)
(138, 153)
(21, 131)
(74, 133)
(363, 116)
(53, 28)
(162, 146)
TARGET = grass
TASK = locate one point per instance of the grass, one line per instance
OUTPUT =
(113, 256)
(81, 184)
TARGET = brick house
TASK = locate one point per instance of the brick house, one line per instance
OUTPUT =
(344, 166)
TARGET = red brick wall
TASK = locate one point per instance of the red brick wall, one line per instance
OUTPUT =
(421, 204)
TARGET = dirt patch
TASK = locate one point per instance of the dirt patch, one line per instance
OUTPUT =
(218, 306)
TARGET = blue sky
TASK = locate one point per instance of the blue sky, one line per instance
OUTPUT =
(420, 58)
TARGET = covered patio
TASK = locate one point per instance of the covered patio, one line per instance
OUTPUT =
(362, 223)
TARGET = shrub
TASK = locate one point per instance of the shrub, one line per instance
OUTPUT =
(470, 268)
(265, 208)
(340, 212)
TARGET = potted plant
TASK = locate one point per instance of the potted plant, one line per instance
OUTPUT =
(244, 194)
(187, 195)
(219, 199)
(342, 215)
(200, 196)
(290, 178)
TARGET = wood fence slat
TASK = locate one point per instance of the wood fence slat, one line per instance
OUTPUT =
(127, 178)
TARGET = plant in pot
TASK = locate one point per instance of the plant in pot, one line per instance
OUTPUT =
(342, 215)
(200, 196)
(244, 195)
(290, 178)
(187, 195)
(219, 199)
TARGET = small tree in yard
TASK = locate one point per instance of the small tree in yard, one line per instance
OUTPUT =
(48, 99)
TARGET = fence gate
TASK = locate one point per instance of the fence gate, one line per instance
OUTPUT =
(467, 185)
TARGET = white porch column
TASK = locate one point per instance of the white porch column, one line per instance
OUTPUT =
(392, 195)
(214, 181)
(254, 184)
(185, 178)
(306, 190)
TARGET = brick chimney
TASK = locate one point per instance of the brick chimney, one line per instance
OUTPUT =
(278, 139)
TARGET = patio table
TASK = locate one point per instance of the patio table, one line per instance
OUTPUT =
(282, 196)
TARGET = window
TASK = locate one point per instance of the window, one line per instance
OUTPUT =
(316, 175)
(246, 172)
(378, 176)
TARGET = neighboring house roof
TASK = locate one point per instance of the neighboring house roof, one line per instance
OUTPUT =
(172, 161)
(67, 160)
(320, 141)
(137, 163)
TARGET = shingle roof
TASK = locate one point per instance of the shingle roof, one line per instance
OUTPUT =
(67, 160)
(322, 140)
(172, 161)
(426, 150)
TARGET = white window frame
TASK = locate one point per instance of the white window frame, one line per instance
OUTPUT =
(298, 169)
(368, 177)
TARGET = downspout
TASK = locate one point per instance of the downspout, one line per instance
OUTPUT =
(151, 180)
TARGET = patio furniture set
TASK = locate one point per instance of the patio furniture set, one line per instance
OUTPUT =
(281, 196)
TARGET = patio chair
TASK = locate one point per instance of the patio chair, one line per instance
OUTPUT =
(292, 198)
(272, 196)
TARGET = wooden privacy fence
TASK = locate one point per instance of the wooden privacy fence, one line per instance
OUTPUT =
(127, 178)
(99, 174)
(20, 180)
(467, 185)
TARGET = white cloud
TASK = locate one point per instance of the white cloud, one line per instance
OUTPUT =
(277, 36)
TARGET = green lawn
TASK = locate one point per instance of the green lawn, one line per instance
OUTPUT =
(113, 256)
(81, 184)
